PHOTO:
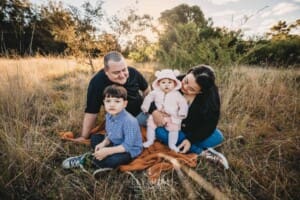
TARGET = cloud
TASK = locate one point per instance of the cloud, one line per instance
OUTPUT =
(260, 29)
(265, 25)
(284, 8)
(297, 1)
(222, 2)
(266, 14)
(223, 13)
(268, 23)
(234, 19)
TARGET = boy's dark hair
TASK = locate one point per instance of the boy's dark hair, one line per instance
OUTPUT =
(116, 91)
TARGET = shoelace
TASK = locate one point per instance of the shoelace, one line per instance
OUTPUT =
(75, 162)
(211, 156)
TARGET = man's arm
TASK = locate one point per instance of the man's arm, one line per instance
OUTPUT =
(145, 92)
(89, 122)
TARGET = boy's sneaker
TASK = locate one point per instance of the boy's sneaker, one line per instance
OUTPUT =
(212, 154)
(75, 162)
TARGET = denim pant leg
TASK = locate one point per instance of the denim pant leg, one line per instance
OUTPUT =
(142, 118)
(162, 134)
(213, 140)
(96, 139)
(113, 161)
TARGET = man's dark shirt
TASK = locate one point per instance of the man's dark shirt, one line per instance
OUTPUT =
(134, 84)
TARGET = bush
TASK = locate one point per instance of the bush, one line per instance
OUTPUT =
(276, 53)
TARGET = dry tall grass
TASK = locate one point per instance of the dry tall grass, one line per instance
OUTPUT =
(42, 96)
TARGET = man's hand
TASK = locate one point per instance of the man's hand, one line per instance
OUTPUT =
(89, 122)
(185, 146)
(158, 117)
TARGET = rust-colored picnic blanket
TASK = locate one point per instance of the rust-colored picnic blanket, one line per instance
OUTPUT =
(153, 162)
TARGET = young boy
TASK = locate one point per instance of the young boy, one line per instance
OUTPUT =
(123, 139)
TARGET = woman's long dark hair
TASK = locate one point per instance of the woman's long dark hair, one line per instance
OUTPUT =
(205, 78)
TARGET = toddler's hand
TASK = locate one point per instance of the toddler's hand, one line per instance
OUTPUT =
(158, 118)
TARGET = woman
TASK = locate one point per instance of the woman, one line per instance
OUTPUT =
(198, 130)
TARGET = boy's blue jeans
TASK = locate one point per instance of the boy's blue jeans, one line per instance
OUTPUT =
(213, 140)
(112, 161)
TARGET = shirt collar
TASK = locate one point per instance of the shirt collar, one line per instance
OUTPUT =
(120, 115)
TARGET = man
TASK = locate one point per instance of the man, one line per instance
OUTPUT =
(115, 71)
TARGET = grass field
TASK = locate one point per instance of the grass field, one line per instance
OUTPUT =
(39, 97)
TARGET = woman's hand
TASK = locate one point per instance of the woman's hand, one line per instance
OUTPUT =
(185, 146)
(158, 117)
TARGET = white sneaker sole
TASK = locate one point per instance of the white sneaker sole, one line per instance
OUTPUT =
(101, 170)
(225, 162)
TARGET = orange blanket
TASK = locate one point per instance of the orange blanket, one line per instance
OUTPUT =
(154, 163)
(69, 135)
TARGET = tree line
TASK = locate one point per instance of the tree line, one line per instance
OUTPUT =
(184, 37)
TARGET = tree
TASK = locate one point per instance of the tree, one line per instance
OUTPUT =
(188, 39)
(183, 14)
(85, 29)
(178, 46)
(279, 53)
(15, 18)
(141, 50)
(108, 42)
(55, 29)
(178, 39)
(130, 27)
(282, 49)
(282, 30)
(85, 43)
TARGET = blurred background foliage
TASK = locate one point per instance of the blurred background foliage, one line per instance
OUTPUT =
(184, 37)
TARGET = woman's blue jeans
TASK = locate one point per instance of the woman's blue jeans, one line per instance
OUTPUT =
(142, 118)
(213, 140)
(112, 161)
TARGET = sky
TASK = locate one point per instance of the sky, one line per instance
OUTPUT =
(254, 17)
